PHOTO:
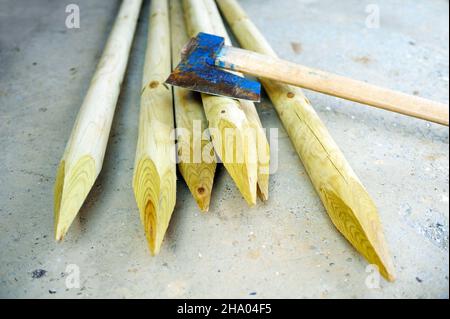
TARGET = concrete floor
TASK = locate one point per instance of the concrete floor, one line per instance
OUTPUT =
(286, 248)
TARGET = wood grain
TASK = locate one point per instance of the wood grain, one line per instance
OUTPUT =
(197, 171)
(249, 109)
(225, 115)
(154, 180)
(85, 150)
(347, 202)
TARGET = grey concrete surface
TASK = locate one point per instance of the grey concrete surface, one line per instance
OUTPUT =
(286, 248)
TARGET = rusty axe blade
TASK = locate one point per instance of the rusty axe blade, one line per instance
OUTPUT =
(197, 71)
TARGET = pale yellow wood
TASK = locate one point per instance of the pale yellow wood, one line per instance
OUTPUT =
(85, 150)
(227, 119)
(197, 171)
(273, 68)
(263, 149)
(347, 202)
(154, 180)
(249, 110)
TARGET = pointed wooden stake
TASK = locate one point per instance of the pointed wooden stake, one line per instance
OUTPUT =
(154, 180)
(347, 202)
(248, 108)
(228, 123)
(197, 171)
(83, 157)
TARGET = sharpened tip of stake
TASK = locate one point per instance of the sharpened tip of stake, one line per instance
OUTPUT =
(59, 234)
(71, 190)
(263, 195)
(202, 193)
(203, 198)
(391, 277)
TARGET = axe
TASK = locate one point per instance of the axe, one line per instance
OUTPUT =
(205, 59)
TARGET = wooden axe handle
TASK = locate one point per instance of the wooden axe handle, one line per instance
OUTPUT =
(264, 66)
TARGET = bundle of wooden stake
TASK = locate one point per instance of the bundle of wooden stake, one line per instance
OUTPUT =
(154, 180)
(171, 23)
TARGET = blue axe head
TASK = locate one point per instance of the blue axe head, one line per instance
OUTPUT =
(197, 71)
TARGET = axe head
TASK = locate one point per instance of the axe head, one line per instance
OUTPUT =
(197, 71)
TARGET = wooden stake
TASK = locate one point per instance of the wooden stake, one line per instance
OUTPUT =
(197, 171)
(248, 108)
(154, 180)
(347, 202)
(226, 118)
(85, 150)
